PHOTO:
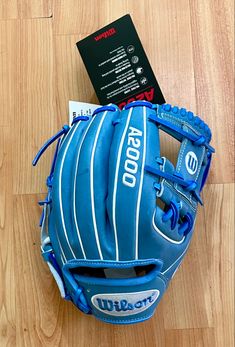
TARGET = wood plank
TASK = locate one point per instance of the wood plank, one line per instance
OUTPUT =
(36, 317)
(72, 80)
(79, 16)
(219, 223)
(212, 25)
(7, 255)
(8, 72)
(35, 120)
(190, 338)
(25, 9)
(169, 48)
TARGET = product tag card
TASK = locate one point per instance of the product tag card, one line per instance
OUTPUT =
(118, 66)
(77, 108)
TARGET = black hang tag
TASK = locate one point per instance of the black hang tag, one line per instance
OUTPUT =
(118, 66)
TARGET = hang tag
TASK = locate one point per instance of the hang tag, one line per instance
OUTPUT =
(118, 65)
(77, 108)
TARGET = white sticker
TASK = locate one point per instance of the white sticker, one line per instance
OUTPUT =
(191, 162)
(77, 108)
(125, 304)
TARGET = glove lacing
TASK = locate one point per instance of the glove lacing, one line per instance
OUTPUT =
(173, 214)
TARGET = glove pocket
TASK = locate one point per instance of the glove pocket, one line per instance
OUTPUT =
(119, 292)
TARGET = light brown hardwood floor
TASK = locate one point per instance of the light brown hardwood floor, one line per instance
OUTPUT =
(190, 47)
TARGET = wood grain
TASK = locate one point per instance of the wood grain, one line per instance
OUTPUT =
(11, 9)
(8, 71)
(79, 17)
(191, 337)
(219, 223)
(35, 119)
(213, 51)
(7, 256)
(72, 80)
(190, 45)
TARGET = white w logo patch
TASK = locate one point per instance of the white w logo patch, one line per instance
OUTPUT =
(191, 162)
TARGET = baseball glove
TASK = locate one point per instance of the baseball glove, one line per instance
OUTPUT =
(119, 217)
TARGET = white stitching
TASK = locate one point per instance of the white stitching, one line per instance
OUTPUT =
(140, 186)
(74, 187)
(116, 181)
(92, 185)
(60, 190)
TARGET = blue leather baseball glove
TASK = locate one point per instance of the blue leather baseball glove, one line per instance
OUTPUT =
(119, 217)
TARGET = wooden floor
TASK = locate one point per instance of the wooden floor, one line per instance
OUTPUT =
(190, 46)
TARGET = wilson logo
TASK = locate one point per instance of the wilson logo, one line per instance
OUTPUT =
(191, 162)
(124, 304)
(105, 34)
(132, 157)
